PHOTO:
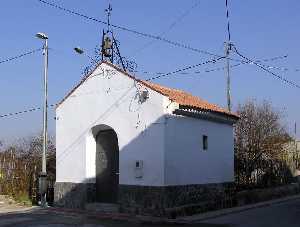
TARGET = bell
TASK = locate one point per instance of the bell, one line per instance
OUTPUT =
(107, 47)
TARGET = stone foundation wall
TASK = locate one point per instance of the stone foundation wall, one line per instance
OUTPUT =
(170, 200)
(74, 195)
(157, 201)
(161, 201)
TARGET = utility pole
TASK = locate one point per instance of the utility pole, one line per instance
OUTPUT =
(228, 92)
(295, 139)
(228, 46)
(43, 185)
(295, 129)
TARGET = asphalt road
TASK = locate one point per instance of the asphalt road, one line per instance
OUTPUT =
(285, 214)
(42, 218)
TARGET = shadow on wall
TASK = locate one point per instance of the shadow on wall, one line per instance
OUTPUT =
(155, 200)
(76, 195)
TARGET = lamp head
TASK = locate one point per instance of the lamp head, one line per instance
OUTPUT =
(78, 50)
(41, 35)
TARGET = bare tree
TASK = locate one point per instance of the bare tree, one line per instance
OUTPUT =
(259, 140)
(20, 165)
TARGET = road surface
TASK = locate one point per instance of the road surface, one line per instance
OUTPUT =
(46, 218)
(285, 214)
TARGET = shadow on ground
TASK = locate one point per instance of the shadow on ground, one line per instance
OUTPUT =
(45, 217)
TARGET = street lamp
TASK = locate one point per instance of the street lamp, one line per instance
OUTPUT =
(43, 176)
(79, 50)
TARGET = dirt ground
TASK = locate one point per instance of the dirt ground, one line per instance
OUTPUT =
(7, 204)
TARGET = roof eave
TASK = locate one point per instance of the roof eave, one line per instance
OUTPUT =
(206, 114)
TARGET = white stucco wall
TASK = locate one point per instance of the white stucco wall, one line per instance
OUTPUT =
(187, 163)
(170, 146)
(109, 98)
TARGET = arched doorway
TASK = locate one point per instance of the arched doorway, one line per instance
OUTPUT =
(107, 165)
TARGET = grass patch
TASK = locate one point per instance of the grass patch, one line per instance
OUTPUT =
(23, 199)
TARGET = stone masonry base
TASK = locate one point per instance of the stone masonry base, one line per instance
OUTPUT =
(153, 200)
(74, 195)
(163, 201)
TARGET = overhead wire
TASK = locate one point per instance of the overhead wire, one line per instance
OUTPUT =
(155, 77)
(171, 26)
(152, 78)
(20, 56)
(184, 69)
(179, 71)
(147, 35)
(250, 61)
(24, 111)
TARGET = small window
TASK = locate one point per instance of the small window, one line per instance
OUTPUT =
(205, 142)
(137, 164)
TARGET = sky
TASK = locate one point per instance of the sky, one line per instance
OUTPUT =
(259, 29)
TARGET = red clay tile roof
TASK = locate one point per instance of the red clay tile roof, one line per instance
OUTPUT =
(186, 99)
(181, 97)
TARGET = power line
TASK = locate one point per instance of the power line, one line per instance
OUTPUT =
(211, 70)
(289, 82)
(147, 35)
(20, 56)
(186, 13)
(186, 68)
(180, 18)
(152, 78)
(185, 46)
(24, 111)
(179, 71)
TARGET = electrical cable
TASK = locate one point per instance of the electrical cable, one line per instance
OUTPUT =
(152, 78)
(180, 18)
(186, 68)
(179, 71)
(174, 43)
(24, 111)
(185, 46)
(289, 82)
(20, 56)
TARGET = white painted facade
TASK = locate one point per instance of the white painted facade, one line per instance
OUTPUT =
(185, 160)
(168, 145)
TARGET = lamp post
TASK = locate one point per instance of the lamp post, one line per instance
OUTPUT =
(43, 175)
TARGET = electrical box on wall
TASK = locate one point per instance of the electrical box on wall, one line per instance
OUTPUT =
(139, 166)
(144, 95)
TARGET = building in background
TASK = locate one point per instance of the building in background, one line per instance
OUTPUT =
(291, 157)
(140, 145)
